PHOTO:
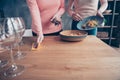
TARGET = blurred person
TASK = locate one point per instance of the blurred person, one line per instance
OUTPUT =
(80, 9)
(46, 17)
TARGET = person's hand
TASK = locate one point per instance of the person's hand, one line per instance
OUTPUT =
(56, 19)
(56, 22)
(40, 38)
(76, 17)
(36, 44)
(99, 13)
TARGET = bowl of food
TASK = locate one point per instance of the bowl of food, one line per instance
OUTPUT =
(73, 35)
(90, 23)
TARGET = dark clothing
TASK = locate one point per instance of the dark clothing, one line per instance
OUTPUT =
(51, 34)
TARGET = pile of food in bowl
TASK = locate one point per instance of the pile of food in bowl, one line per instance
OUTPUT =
(73, 35)
(90, 24)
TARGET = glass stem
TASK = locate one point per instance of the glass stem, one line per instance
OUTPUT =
(19, 52)
(18, 46)
(21, 43)
(12, 58)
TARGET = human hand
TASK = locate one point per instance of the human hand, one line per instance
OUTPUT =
(76, 17)
(99, 13)
(40, 38)
(36, 44)
(56, 22)
(56, 19)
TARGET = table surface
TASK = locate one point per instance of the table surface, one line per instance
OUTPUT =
(90, 59)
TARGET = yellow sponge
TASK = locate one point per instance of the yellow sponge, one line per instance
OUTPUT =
(35, 46)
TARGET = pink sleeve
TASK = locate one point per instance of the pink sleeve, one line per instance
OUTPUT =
(62, 8)
(35, 14)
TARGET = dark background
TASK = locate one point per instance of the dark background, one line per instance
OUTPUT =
(15, 8)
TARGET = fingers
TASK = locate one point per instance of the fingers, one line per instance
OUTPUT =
(40, 39)
(100, 14)
(56, 20)
(57, 17)
(76, 17)
(52, 18)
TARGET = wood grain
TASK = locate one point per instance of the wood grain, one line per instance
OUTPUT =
(90, 59)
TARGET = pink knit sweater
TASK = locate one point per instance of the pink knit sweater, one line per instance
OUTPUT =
(42, 11)
(86, 8)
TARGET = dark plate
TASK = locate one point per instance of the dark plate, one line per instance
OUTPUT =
(99, 19)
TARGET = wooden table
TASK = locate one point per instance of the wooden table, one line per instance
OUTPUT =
(90, 59)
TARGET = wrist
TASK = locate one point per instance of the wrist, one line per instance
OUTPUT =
(99, 11)
(39, 33)
(71, 12)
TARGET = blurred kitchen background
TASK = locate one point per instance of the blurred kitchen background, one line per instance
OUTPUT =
(110, 33)
(13, 8)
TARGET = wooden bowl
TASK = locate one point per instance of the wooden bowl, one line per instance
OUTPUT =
(73, 35)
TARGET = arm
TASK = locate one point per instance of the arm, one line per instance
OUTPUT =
(61, 9)
(70, 6)
(35, 14)
(56, 19)
(75, 16)
(36, 19)
(104, 5)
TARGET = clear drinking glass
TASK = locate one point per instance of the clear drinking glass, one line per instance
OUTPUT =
(19, 26)
(3, 63)
(7, 39)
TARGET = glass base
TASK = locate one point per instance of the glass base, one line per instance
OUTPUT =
(3, 63)
(14, 71)
(19, 55)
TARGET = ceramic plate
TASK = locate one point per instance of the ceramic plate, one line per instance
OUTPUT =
(84, 21)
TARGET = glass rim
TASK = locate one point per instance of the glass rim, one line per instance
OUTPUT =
(10, 17)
